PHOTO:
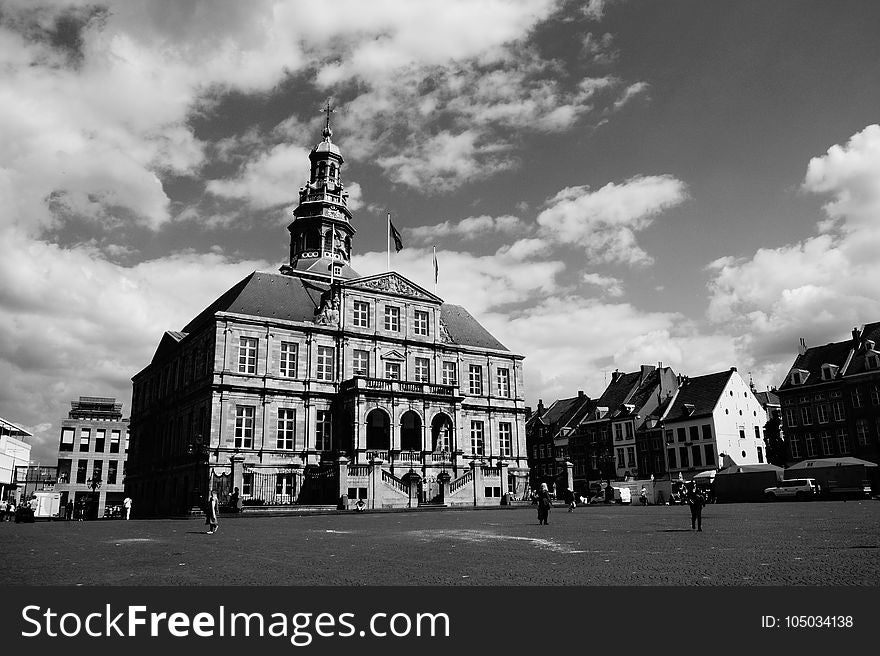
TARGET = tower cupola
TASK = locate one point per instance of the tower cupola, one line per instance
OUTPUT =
(321, 232)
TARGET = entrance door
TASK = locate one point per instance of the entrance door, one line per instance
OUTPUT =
(378, 430)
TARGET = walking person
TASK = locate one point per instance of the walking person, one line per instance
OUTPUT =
(126, 503)
(569, 499)
(544, 504)
(696, 501)
(211, 513)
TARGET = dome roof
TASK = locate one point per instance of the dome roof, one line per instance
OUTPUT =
(327, 146)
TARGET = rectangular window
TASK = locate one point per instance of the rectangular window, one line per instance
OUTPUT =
(360, 363)
(806, 415)
(862, 432)
(628, 430)
(670, 456)
(112, 468)
(504, 438)
(707, 431)
(392, 370)
(244, 426)
(823, 413)
(795, 446)
(811, 445)
(82, 466)
(449, 377)
(790, 420)
(694, 433)
(683, 456)
(757, 432)
(325, 363)
(420, 322)
(825, 437)
(286, 428)
(837, 411)
(247, 355)
(114, 441)
(875, 395)
(100, 438)
(323, 431)
(423, 370)
(283, 488)
(842, 441)
(361, 318)
(709, 451)
(289, 353)
(97, 471)
(247, 485)
(67, 438)
(475, 379)
(85, 435)
(392, 318)
(682, 434)
(696, 456)
(621, 458)
(856, 395)
(477, 438)
(760, 455)
(618, 432)
(630, 456)
(670, 437)
(503, 378)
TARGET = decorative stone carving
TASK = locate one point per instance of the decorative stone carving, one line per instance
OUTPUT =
(445, 337)
(394, 284)
(328, 312)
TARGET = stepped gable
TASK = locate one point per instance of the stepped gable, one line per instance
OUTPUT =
(702, 392)
(267, 295)
(465, 330)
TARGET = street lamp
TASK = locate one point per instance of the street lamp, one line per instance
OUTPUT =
(199, 452)
(95, 483)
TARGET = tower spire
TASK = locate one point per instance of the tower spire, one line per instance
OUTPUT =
(328, 109)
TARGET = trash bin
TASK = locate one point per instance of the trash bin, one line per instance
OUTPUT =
(343, 502)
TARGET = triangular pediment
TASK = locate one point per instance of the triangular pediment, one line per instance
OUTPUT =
(393, 355)
(393, 284)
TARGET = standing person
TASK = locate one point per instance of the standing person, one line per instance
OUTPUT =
(126, 503)
(211, 513)
(696, 501)
(569, 499)
(235, 500)
(69, 509)
(643, 496)
(544, 504)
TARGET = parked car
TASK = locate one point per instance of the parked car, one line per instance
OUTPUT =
(802, 489)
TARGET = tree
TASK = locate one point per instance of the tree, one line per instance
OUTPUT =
(774, 442)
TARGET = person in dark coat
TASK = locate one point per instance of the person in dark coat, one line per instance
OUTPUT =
(211, 513)
(696, 501)
(544, 504)
(569, 499)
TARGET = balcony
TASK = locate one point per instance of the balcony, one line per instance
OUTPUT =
(396, 386)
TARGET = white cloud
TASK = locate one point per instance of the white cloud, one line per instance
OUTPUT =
(817, 288)
(611, 286)
(604, 222)
(273, 178)
(468, 228)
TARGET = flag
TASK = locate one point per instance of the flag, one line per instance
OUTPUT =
(436, 268)
(398, 242)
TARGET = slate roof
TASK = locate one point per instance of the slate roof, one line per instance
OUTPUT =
(617, 393)
(767, 398)
(702, 392)
(465, 330)
(565, 412)
(291, 298)
(835, 353)
(871, 332)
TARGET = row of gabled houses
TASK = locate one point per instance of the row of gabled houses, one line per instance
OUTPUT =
(654, 422)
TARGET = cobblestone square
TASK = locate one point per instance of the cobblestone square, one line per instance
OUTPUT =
(818, 543)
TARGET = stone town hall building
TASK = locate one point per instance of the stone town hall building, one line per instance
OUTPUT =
(315, 383)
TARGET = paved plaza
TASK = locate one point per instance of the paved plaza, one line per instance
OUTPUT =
(817, 543)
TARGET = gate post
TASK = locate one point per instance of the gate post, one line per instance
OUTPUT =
(342, 464)
(237, 465)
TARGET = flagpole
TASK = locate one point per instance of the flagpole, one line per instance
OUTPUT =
(388, 245)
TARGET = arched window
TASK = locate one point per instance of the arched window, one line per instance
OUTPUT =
(378, 430)
(441, 433)
(410, 431)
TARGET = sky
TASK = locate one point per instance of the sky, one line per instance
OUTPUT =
(608, 183)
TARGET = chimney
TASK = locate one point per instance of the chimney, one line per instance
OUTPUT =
(733, 368)
(540, 407)
(856, 335)
(802, 347)
(615, 375)
(581, 394)
(646, 369)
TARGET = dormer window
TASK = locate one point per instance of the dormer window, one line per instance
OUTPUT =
(872, 361)
(829, 371)
(798, 376)
(689, 408)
